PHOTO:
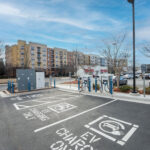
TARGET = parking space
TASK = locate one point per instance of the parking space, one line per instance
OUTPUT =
(57, 120)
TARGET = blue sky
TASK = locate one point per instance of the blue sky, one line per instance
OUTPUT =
(70, 24)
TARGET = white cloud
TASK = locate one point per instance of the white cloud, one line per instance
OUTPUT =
(65, 40)
(7, 9)
(143, 33)
(79, 21)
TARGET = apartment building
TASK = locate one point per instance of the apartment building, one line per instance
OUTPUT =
(86, 60)
(50, 61)
(78, 58)
(60, 57)
(8, 54)
(97, 60)
(145, 68)
(103, 61)
(14, 54)
(93, 59)
(70, 61)
(32, 55)
(38, 55)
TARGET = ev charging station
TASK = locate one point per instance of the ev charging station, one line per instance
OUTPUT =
(104, 81)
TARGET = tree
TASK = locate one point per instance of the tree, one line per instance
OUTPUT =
(2, 66)
(116, 55)
(1, 49)
(146, 50)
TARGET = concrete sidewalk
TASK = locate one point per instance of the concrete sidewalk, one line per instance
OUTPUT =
(138, 98)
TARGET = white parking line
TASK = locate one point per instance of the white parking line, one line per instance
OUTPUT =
(129, 134)
(74, 116)
(44, 98)
(128, 123)
(16, 105)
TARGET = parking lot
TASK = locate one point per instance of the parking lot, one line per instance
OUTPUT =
(139, 82)
(58, 120)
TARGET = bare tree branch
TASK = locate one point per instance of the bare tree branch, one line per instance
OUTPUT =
(146, 50)
(115, 55)
(1, 48)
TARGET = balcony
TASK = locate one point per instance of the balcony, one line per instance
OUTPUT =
(38, 63)
(38, 52)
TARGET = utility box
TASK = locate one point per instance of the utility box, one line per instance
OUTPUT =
(40, 80)
(24, 77)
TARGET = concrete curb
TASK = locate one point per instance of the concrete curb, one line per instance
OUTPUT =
(119, 96)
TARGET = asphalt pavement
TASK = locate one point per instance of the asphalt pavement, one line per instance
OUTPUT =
(58, 120)
(3, 87)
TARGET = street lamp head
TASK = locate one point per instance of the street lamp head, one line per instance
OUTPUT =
(131, 1)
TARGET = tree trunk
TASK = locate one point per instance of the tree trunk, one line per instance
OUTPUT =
(118, 78)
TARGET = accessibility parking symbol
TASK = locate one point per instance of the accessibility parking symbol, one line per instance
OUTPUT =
(113, 129)
(61, 107)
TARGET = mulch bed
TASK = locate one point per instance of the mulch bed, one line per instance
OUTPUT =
(71, 82)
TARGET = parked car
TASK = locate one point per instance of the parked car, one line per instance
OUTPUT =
(122, 81)
(128, 76)
(147, 76)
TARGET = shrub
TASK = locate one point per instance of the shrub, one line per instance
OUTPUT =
(147, 90)
(125, 88)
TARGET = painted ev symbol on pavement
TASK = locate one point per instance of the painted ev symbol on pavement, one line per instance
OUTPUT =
(113, 129)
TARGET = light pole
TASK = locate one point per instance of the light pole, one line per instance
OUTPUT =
(133, 18)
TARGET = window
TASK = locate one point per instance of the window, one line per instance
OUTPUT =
(32, 48)
(38, 49)
(32, 52)
(22, 59)
(22, 53)
(44, 50)
(22, 47)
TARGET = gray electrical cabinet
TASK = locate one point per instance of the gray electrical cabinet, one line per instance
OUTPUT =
(24, 76)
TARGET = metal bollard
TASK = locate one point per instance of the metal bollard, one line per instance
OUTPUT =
(12, 85)
(78, 84)
(29, 85)
(110, 85)
(95, 84)
(89, 85)
(144, 85)
(9, 86)
(54, 83)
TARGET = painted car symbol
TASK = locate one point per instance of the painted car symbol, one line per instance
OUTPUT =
(112, 127)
